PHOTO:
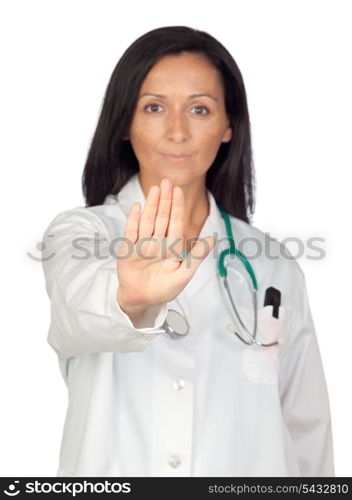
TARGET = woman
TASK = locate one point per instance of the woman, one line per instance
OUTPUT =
(213, 389)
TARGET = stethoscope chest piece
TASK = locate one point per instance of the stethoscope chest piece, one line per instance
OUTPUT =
(175, 325)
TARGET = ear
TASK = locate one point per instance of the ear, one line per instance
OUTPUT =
(126, 135)
(228, 134)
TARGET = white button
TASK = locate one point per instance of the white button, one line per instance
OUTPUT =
(230, 327)
(174, 461)
(178, 384)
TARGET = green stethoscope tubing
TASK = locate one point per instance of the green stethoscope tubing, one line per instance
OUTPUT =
(233, 250)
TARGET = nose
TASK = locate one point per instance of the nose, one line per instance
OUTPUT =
(177, 128)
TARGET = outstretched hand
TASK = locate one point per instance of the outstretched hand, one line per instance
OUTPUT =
(150, 268)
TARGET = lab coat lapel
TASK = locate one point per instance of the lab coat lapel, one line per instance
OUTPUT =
(129, 194)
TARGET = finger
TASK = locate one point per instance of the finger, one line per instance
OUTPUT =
(147, 220)
(130, 234)
(196, 256)
(175, 229)
(163, 213)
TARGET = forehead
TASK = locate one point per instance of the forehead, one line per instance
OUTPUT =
(184, 70)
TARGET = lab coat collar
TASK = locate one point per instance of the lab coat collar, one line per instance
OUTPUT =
(213, 226)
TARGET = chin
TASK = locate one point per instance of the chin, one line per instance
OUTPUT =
(181, 178)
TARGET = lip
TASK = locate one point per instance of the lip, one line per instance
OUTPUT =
(177, 157)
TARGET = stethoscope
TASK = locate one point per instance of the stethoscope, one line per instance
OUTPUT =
(176, 326)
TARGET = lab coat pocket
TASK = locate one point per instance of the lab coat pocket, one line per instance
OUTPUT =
(261, 364)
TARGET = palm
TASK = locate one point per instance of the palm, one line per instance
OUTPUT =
(157, 279)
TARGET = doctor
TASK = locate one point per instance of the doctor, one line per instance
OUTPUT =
(172, 148)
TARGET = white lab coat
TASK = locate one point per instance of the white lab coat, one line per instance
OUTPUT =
(143, 404)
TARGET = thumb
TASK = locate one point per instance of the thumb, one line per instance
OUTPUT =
(198, 253)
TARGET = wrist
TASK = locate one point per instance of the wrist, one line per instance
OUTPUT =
(132, 310)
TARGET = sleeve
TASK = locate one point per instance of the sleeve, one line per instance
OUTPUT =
(304, 395)
(81, 282)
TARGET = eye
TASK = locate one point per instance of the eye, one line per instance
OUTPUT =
(152, 108)
(201, 110)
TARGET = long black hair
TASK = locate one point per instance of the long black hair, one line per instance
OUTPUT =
(111, 160)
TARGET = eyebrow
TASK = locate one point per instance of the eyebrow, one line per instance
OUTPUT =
(193, 96)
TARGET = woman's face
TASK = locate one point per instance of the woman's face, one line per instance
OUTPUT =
(180, 119)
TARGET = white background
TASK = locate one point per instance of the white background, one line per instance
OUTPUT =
(57, 57)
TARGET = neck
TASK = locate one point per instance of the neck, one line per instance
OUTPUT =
(196, 202)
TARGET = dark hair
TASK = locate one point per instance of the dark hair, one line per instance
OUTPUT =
(111, 160)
